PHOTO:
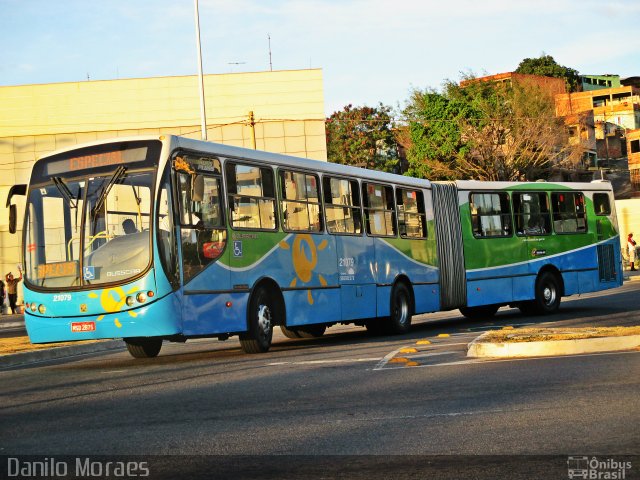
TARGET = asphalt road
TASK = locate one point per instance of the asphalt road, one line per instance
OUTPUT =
(364, 399)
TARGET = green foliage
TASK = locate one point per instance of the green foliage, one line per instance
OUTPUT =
(362, 137)
(546, 66)
(486, 131)
(434, 122)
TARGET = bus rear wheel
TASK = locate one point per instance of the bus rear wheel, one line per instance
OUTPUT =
(144, 347)
(547, 296)
(257, 339)
(400, 315)
(478, 313)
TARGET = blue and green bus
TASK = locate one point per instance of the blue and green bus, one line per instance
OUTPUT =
(165, 238)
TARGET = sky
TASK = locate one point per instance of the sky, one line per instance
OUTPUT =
(370, 51)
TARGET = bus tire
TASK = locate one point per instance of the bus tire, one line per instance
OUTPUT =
(479, 313)
(257, 339)
(547, 296)
(144, 347)
(312, 331)
(289, 333)
(400, 310)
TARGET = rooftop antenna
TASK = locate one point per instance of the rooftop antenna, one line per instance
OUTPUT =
(270, 64)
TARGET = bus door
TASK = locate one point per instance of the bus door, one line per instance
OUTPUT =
(355, 251)
(203, 245)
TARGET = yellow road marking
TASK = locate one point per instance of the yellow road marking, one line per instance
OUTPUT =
(408, 350)
(399, 360)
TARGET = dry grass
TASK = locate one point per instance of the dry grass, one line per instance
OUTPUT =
(508, 335)
(22, 344)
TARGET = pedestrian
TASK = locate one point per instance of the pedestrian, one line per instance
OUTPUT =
(12, 288)
(2, 293)
(631, 246)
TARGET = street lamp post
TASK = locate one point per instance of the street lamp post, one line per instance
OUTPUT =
(203, 113)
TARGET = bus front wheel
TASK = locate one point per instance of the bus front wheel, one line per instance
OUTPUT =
(257, 339)
(144, 347)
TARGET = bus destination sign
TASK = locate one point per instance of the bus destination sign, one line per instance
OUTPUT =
(103, 159)
(57, 270)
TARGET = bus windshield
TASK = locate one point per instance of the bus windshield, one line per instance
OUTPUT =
(89, 228)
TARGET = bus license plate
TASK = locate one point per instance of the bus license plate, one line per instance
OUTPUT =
(83, 326)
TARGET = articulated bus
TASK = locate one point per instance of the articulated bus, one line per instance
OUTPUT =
(166, 238)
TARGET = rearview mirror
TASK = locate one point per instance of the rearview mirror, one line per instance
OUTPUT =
(13, 218)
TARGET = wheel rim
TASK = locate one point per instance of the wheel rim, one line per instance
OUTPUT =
(264, 321)
(549, 295)
(401, 310)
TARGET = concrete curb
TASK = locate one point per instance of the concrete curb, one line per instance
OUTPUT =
(480, 349)
(34, 356)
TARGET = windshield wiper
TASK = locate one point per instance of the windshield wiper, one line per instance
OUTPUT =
(104, 193)
(64, 191)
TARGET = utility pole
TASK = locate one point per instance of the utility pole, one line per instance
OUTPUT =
(252, 124)
(203, 113)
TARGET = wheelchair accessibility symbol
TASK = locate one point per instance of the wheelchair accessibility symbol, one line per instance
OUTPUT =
(237, 249)
(89, 273)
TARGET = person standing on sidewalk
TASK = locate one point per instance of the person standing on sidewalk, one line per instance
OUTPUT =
(2, 292)
(631, 246)
(12, 288)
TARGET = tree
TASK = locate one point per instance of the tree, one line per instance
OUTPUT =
(487, 131)
(435, 136)
(546, 66)
(362, 137)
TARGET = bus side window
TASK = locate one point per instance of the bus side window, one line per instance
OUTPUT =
(342, 206)
(532, 213)
(251, 197)
(300, 202)
(568, 212)
(490, 214)
(380, 210)
(411, 213)
(601, 204)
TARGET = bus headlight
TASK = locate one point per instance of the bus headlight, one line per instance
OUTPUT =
(33, 306)
(41, 309)
(130, 301)
(141, 297)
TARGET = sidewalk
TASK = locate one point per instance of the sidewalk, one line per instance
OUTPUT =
(16, 350)
(12, 320)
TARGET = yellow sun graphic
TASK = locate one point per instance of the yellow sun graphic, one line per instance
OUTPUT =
(304, 254)
(112, 301)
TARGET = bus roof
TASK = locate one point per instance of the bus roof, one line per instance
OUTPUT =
(595, 185)
(269, 158)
